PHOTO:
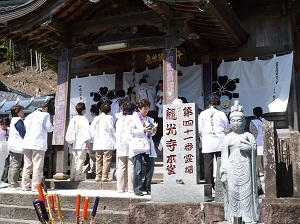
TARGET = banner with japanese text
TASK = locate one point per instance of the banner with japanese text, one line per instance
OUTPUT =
(91, 90)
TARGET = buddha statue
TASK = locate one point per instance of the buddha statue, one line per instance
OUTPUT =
(238, 171)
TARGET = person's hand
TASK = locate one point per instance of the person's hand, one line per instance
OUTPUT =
(147, 129)
(245, 147)
(154, 129)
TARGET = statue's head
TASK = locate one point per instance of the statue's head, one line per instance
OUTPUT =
(237, 118)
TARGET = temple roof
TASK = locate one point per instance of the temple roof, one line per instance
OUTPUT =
(81, 25)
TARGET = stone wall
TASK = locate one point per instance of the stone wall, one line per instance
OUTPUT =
(273, 211)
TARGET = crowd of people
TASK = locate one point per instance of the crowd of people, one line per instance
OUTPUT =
(24, 143)
(123, 126)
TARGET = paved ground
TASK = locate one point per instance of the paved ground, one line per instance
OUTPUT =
(74, 192)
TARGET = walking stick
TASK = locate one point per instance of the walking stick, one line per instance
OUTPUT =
(59, 214)
(92, 220)
(84, 211)
(78, 197)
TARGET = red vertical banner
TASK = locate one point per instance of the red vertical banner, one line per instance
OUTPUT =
(170, 75)
(61, 107)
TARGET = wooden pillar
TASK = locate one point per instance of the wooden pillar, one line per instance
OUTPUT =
(61, 116)
(170, 78)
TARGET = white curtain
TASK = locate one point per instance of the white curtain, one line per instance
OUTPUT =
(189, 81)
(83, 89)
(264, 83)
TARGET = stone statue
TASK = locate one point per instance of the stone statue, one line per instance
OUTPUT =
(238, 171)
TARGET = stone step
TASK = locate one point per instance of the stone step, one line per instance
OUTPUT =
(27, 213)
(89, 184)
(17, 221)
(113, 206)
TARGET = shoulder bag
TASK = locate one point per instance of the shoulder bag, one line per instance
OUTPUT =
(71, 136)
(142, 144)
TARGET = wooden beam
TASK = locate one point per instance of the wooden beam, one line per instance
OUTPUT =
(107, 23)
(56, 26)
(250, 52)
(146, 43)
(226, 17)
(112, 67)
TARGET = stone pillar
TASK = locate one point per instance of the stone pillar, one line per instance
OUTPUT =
(295, 160)
(269, 159)
(180, 157)
(61, 117)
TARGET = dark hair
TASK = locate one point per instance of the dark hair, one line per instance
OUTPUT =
(5, 121)
(129, 90)
(122, 101)
(160, 81)
(120, 93)
(128, 108)
(80, 107)
(15, 109)
(94, 109)
(144, 103)
(43, 105)
(184, 100)
(142, 81)
(257, 111)
(213, 99)
(105, 108)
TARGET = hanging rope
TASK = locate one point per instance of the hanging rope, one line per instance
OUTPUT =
(133, 75)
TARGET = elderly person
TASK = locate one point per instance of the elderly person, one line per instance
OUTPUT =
(80, 125)
(38, 125)
(141, 129)
(212, 124)
(103, 131)
(125, 163)
(15, 145)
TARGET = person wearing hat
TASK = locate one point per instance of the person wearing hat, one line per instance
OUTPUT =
(35, 144)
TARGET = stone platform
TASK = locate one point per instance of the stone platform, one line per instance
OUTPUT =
(126, 208)
(180, 193)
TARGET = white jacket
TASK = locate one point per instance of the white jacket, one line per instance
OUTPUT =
(103, 131)
(147, 92)
(123, 136)
(37, 125)
(136, 129)
(82, 128)
(15, 141)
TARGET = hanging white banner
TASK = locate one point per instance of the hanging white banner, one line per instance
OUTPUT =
(91, 90)
(264, 83)
(189, 81)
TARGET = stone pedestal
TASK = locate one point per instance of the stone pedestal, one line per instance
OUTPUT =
(181, 193)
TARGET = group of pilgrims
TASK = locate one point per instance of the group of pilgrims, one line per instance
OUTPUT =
(107, 133)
